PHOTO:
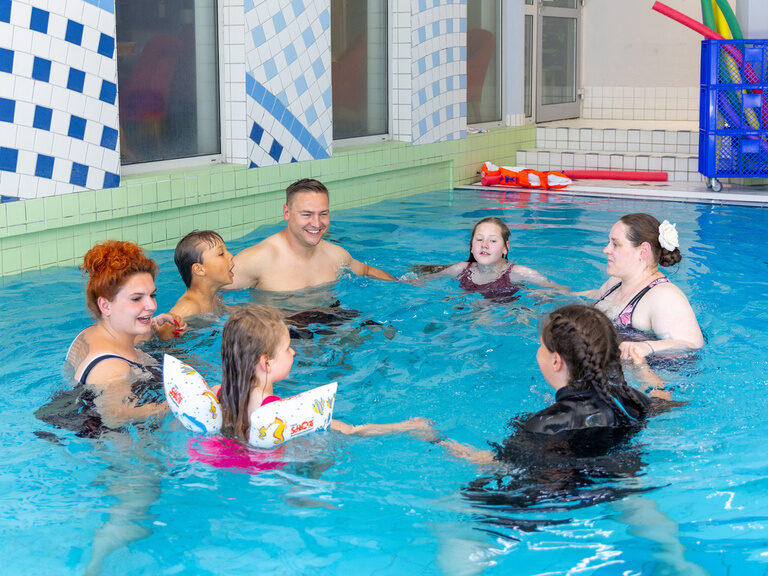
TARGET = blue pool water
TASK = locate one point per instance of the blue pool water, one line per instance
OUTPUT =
(692, 498)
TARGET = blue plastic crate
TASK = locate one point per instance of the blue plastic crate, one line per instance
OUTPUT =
(733, 155)
(733, 109)
(743, 62)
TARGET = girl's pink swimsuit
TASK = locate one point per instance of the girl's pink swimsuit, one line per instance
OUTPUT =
(223, 452)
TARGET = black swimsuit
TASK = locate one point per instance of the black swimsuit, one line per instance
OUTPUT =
(75, 409)
(580, 409)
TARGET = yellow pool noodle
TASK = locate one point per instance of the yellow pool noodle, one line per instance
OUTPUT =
(720, 22)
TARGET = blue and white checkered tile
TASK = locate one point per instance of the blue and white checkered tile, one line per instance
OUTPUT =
(58, 98)
(288, 80)
(438, 70)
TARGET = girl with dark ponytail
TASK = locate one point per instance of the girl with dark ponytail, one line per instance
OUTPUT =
(579, 357)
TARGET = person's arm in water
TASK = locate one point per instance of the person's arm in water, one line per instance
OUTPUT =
(529, 275)
(434, 271)
(648, 377)
(671, 318)
(595, 293)
(418, 426)
(111, 379)
(467, 452)
(361, 269)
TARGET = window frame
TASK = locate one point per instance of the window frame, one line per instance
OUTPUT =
(385, 136)
(502, 77)
(139, 168)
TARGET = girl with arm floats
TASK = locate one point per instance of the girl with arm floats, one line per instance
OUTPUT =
(640, 298)
(255, 354)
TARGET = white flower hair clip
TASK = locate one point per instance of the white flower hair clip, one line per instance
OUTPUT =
(668, 236)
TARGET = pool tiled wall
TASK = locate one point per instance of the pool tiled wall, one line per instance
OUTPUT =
(58, 91)
(156, 209)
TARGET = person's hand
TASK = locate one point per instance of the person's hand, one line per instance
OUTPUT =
(421, 428)
(637, 359)
(169, 318)
(631, 349)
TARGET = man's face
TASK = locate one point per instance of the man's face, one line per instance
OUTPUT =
(307, 217)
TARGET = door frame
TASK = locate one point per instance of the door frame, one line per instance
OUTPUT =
(551, 112)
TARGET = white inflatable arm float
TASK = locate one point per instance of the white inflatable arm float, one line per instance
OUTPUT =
(198, 409)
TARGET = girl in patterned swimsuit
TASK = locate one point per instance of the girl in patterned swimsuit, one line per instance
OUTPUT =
(640, 298)
(488, 270)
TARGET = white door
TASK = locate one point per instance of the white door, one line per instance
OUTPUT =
(557, 70)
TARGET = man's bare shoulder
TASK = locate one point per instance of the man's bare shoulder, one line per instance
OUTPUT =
(334, 252)
(264, 249)
(250, 263)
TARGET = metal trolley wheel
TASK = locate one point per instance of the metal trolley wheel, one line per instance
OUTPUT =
(715, 184)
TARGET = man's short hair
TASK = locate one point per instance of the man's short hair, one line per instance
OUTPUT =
(304, 185)
(190, 250)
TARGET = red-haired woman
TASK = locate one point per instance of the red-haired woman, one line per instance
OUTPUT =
(117, 382)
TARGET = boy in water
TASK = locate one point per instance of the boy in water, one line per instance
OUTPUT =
(205, 266)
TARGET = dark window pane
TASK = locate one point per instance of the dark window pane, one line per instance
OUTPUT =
(483, 61)
(359, 67)
(167, 79)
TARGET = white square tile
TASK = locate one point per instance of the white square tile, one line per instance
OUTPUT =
(43, 142)
(26, 162)
(22, 40)
(62, 170)
(45, 188)
(61, 146)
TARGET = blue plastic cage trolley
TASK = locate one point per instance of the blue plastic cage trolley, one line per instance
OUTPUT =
(733, 111)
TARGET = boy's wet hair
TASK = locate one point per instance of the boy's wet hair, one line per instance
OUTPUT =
(190, 250)
(304, 185)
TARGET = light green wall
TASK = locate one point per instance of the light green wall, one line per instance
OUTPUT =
(157, 209)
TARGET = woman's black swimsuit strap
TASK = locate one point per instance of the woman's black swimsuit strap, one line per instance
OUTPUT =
(95, 360)
(611, 290)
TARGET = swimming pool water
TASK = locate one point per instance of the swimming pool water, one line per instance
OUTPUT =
(694, 498)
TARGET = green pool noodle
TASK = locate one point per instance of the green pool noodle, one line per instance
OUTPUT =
(730, 17)
(708, 14)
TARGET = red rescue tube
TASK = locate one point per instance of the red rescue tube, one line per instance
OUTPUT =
(616, 175)
(686, 21)
(490, 180)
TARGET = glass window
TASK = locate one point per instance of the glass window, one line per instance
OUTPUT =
(483, 61)
(167, 79)
(359, 67)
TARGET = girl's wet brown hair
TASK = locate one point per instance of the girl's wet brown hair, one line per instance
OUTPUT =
(249, 333)
(587, 341)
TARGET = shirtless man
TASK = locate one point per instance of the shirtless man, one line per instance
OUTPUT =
(297, 257)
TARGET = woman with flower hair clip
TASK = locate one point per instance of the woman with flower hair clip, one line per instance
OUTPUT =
(640, 299)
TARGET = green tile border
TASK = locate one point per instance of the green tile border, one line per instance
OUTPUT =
(156, 209)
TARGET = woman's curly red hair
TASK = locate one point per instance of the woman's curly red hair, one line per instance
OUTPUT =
(109, 266)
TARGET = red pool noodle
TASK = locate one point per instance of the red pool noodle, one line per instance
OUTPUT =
(615, 175)
(686, 21)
